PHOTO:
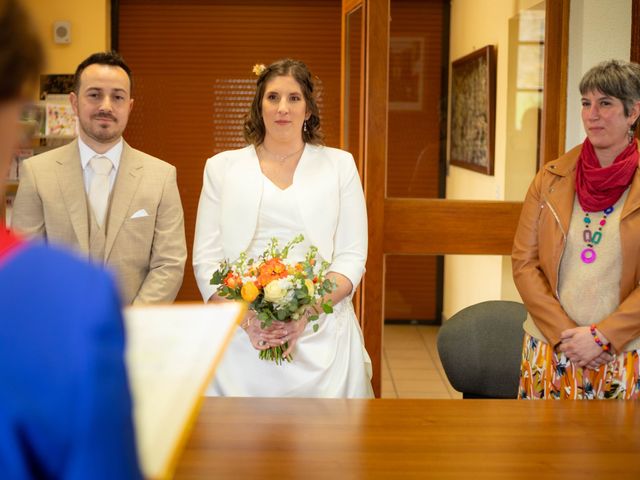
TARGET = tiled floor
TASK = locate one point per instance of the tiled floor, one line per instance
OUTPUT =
(411, 367)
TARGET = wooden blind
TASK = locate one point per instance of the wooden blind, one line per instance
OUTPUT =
(192, 62)
(413, 165)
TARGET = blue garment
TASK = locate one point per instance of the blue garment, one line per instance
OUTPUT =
(65, 406)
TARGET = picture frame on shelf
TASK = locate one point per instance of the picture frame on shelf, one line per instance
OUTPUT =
(61, 119)
(60, 124)
(473, 99)
(53, 84)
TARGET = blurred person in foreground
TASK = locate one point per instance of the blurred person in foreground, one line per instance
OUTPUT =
(65, 406)
(576, 257)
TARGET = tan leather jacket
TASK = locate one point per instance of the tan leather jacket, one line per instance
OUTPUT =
(539, 244)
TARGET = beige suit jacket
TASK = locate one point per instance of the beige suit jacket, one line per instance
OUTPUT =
(147, 253)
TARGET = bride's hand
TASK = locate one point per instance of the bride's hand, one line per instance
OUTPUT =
(289, 332)
(251, 326)
(294, 329)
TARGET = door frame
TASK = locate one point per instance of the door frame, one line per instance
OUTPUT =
(453, 226)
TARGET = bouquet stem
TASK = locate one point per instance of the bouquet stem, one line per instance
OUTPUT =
(274, 354)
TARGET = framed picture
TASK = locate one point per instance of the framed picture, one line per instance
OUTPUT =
(55, 84)
(473, 106)
(405, 73)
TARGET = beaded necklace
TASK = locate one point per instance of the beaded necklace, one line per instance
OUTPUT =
(588, 254)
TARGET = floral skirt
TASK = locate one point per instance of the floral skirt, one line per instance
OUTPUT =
(547, 374)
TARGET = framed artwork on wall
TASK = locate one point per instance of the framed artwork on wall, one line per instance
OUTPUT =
(473, 106)
(405, 73)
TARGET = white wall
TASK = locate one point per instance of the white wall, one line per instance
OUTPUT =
(598, 31)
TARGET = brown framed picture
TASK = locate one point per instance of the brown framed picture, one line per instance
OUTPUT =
(405, 73)
(473, 106)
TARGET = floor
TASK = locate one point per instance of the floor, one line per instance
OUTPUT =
(411, 367)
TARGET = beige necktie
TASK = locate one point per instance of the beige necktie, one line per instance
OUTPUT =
(99, 187)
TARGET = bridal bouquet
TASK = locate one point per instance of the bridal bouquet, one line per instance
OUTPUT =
(276, 289)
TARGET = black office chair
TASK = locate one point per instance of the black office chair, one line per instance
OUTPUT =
(480, 348)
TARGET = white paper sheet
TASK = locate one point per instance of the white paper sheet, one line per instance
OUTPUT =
(172, 352)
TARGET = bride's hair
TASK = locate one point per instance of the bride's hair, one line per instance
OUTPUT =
(254, 129)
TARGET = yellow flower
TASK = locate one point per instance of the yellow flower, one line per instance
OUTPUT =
(258, 68)
(249, 292)
(310, 287)
(273, 292)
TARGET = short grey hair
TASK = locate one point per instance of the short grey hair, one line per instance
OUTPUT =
(615, 78)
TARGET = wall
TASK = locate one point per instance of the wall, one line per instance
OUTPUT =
(598, 31)
(90, 30)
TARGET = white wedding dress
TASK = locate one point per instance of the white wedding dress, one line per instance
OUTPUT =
(331, 362)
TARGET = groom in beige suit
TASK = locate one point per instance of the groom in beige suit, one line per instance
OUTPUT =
(99, 196)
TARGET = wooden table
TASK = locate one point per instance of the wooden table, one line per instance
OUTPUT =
(389, 438)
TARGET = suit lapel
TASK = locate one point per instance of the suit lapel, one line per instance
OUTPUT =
(71, 182)
(126, 184)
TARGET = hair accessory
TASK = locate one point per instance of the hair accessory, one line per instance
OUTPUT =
(304, 127)
(594, 333)
(258, 68)
(588, 254)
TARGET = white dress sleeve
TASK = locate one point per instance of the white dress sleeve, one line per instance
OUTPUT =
(207, 243)
(351, 235)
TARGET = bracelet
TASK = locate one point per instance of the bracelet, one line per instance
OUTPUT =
(246, 324)
(594, 333)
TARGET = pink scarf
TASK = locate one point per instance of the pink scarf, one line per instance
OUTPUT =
(600, 187)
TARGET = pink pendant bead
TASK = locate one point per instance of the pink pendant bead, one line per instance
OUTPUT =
(588, 255)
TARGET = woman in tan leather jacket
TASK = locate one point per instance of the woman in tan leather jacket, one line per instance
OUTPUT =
(576, 253)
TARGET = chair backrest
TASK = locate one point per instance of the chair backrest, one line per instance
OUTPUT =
(480, 348)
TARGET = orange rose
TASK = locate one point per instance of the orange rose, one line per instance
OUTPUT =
(271, 270)
(232, 280)
(249, 292)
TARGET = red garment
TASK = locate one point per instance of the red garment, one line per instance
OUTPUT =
(8, 242)
(600, 187)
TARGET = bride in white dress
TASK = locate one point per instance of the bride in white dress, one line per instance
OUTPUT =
(283, 184)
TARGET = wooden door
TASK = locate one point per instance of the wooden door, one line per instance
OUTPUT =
(420, 226)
